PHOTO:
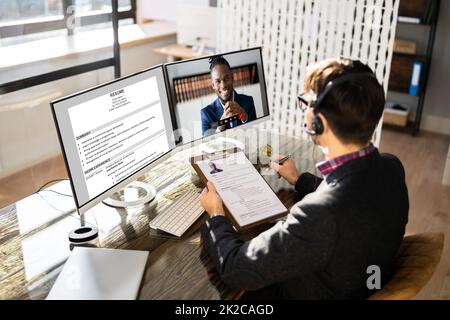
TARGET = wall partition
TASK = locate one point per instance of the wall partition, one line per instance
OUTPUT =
(295, 33)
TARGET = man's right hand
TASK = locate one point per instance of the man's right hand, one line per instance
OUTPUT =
(228, 110)
(287, 170)
(226, 114)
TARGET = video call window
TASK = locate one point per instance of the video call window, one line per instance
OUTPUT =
(199, 86)
(213, 94)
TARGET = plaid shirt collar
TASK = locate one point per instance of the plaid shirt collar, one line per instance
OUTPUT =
(326, 167)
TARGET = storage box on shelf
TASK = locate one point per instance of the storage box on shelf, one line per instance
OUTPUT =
(396, 117)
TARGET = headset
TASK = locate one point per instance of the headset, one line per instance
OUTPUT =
(317, 124)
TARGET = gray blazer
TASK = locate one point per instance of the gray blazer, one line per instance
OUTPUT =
(354, 219)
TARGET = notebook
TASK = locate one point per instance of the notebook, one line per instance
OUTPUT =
(100, 274)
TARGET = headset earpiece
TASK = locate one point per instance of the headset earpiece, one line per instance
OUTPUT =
(317, 125)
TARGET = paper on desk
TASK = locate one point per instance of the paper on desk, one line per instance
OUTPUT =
(243, 190)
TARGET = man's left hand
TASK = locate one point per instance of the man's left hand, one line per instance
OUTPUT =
(211, 201)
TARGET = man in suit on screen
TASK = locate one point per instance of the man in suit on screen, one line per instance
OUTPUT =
(229, 103)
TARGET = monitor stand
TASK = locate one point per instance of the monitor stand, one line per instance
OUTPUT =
(135, 194)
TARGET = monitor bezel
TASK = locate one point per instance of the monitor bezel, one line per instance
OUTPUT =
(172, 104)
(99, 198)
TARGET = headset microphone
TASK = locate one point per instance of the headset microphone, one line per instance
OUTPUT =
(310, 132)
(317, 127)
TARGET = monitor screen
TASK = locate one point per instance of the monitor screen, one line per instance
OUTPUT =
(113, 132)
(213, 94)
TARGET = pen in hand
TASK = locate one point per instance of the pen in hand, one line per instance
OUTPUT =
(282, 160)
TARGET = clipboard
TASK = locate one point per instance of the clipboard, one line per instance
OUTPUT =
(220, 155)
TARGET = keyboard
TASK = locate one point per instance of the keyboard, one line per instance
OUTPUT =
(180, 214)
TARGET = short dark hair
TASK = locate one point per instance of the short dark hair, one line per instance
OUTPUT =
(352, 108)
(218, 60)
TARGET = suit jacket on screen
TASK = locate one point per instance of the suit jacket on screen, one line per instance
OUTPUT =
(213, 112)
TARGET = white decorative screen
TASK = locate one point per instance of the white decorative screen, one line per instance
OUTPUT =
(295, 33)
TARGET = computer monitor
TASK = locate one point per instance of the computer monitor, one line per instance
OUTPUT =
(200, 95)
(112, 134)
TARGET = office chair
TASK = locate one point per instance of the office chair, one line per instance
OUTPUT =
(417, 260)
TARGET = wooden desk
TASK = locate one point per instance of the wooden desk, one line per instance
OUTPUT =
(178, 51)
(34, 244)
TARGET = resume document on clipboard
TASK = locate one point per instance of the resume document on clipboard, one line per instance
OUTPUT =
(243, 190)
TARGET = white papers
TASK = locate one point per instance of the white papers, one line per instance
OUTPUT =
(100, 274)
(243, 190)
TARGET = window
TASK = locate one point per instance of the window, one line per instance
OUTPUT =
(15, 10)
(84, 6)
(29, 20)
(25, 17)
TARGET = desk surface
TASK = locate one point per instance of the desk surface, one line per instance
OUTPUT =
(179, 51)
(34, 244)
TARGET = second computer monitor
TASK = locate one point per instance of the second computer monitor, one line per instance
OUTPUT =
(213, 94)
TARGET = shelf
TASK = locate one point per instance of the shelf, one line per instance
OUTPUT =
(420, 57)
(425, 11)
(401, 71)
(403, 129)
(415, 24)
(420, 13)
(415, 8)
(403, 93)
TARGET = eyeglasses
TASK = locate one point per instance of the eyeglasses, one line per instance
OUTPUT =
(302, 103)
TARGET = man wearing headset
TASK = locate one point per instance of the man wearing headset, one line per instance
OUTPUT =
(348, 223)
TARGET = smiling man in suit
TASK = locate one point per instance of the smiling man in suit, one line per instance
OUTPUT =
(228, 103)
